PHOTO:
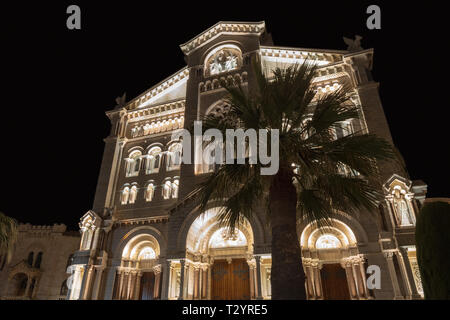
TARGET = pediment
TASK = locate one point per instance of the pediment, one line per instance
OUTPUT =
(90, 217)
(221, 28)
(396, 180)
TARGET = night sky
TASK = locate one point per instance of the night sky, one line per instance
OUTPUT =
(57, 83)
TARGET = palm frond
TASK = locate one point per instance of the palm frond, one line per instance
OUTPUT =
(8, 235)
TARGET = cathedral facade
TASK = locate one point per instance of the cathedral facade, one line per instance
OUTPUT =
(142, 240)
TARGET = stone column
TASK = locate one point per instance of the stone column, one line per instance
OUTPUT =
(209, 281)
(137, 290)
(204, 282)
(183, 263)
(174, 290)
(121, 284)
(362, 271)
(157, 271)
(187, 278)
(77, 282)
(200, 282)
(196, 282)
(132, 287)
(309, 278)
(258, 278)
(317, 281)
(350, 279)
(389, 255)
(97, 283)
(88, 284)
(95, 238)
(357, 274)
(112, 276)
(252, 266)
(166, 274)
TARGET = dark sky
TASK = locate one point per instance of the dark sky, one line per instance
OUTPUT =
(58, 83)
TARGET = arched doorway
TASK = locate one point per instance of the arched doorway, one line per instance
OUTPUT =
(139, 276)
(17, 285)
(333, 266)
(219, 264)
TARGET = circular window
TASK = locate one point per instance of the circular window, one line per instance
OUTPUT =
(223, 59)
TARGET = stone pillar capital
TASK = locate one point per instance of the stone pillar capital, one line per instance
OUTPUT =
(157, 269)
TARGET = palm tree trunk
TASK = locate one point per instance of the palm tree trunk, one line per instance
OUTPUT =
(287, 276)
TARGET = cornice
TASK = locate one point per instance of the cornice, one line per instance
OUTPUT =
(220, 28)
(156, 91)
(138, 221)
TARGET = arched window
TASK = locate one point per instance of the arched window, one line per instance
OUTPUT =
(86, 238)
(133, 194)
(38, 261)
(174, 157)
(167, 188)
(149, 192)
(147, 253)
(153, 160)
(175, 186)
(30, 258)
(134, 164)
(125, 195)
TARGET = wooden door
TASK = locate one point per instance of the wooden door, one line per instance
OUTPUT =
(334, 282)
(230, 281)
(147, 286)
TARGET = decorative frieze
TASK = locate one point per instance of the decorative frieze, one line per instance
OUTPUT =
(216, 82)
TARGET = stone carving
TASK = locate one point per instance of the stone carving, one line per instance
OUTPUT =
(222, 61)
(417, 277)
(121, 101)
(353, 45)
(401, 208)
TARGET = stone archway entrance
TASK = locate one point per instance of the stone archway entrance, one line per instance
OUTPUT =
(219, 264)
(139, 275)
(333, 267)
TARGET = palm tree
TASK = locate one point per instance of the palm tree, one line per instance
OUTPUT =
(8, 236)
(310, 183)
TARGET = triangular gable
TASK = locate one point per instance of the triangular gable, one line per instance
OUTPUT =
(171, 88)
(220, 28)
(395, 179)
(90, 215)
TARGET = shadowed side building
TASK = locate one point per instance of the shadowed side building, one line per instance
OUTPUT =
(38, 266)
(140, 241)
